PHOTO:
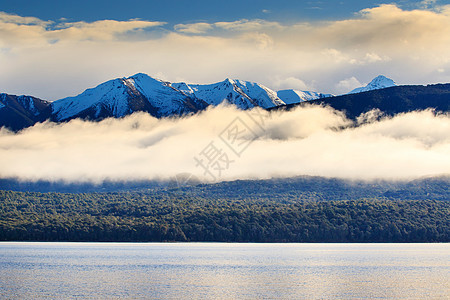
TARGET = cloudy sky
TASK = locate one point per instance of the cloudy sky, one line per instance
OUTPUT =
(52, 49)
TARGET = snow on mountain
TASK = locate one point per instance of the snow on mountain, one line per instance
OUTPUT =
(110, 94)
(28, 103)
(165, 98)
(25, 102)
(261, 95)
(243, 94)
(122, 96)
(379, 82)
(296, 96)
(184, 88)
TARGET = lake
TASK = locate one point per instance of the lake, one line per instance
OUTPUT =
(223, 271)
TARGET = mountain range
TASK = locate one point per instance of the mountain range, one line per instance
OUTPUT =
(123, 96)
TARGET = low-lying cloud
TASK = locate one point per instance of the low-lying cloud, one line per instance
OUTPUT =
(230, 144)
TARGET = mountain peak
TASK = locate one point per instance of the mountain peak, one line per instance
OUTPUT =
(379, 82)
(142, 77)
(382, 80)
(229, 81)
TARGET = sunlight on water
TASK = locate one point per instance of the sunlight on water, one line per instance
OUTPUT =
(218, 271)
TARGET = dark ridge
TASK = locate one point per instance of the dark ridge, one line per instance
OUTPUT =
(391, 101)
(17, 113)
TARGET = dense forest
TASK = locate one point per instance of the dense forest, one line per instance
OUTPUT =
(180, 216)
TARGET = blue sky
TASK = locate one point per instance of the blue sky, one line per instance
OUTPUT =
(53, 49)
(181, 11)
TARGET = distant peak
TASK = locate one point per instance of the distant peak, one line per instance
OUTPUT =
(379, 82)
(229, 80)
(139, 76)
(381, 79)
(143, 80)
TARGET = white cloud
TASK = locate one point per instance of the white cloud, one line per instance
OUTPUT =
(427, 4)
(196, 28)
(99, 30)
(291, 83)
(305, 141)
(218, 28)
(248, 25)
(348, 84)
(28, 32)
(19, 20)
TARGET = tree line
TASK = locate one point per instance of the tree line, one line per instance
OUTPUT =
(146, 217)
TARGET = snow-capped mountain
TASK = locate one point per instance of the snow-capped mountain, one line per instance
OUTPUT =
(296, 96)
(123, 96)
(243, 94)
(379, 82)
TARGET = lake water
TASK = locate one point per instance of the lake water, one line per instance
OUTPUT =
(223, 271)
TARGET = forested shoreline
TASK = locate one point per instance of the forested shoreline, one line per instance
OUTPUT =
(147, 217)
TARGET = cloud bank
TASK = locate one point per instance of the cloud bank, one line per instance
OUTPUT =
(54, 59)
(231, 144)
